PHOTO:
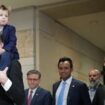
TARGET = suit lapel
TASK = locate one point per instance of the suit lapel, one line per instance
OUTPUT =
(56, 86)
(71, 91)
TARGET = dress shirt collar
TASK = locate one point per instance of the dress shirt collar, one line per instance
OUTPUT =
(68, 81)
(33, 91)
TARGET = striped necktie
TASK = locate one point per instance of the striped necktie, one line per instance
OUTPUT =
(30, 97)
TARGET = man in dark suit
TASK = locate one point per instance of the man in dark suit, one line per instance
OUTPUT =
(11, 85)
(75, 92)
(99, 98)
(39, 96)
(94, 79)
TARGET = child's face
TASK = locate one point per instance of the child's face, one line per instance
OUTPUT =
(3, 17)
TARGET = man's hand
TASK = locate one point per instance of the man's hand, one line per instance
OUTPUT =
(3, 76)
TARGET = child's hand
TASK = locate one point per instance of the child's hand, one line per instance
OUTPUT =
(1, 44)
(3, 76)
(2, 50)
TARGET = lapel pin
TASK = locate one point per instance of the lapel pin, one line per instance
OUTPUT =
(36, 94)
(73, 85)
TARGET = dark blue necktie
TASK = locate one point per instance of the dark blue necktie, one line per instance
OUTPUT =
(61, 94)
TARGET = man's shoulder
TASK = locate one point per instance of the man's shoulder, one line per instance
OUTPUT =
(80, 82)
(43, 90)
(8, 26)
(101, 87)
(15, 67)
(26, 90)
(56, 84)
(15, 63)
(76, 81)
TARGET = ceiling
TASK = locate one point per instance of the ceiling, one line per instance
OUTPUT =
(85, 17)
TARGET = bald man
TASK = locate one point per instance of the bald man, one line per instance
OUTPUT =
(94, 79)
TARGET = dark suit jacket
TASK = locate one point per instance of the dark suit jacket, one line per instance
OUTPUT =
(78, 93)
(16, 92)
(103, 73)
(99, 97)
(9, 36)
(41, 97)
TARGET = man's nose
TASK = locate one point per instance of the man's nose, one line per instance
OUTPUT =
(3, 17)
(63, 70)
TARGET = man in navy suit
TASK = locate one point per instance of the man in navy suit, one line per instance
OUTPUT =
(39, 96)
(75, 92)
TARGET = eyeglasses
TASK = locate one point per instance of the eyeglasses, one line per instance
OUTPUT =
(33, 79)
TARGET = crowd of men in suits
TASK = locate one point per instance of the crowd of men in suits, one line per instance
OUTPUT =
(66, 91)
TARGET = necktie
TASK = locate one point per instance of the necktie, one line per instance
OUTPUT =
(30, 98)
(61, 94)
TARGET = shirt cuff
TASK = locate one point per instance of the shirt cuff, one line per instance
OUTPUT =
(7, 85)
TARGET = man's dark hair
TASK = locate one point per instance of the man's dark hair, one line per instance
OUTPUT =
(63, 59)
(34, 72)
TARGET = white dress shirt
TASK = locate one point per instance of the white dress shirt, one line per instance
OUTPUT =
(33, 92)
(68, 82)
(1, 28)
(92, 92)
(7, 85)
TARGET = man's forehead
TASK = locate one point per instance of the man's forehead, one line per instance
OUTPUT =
(94, 71)
(64, 62)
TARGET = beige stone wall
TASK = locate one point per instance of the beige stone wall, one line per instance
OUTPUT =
(26, 50)
(25, 43)
(56, 41)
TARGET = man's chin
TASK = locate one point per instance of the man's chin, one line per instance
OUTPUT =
(92, 84)
(65, 77)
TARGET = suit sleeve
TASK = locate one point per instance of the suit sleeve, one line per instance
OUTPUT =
(11, 40)
(16, 91)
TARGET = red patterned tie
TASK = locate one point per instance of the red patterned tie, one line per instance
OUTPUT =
(30, 98)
